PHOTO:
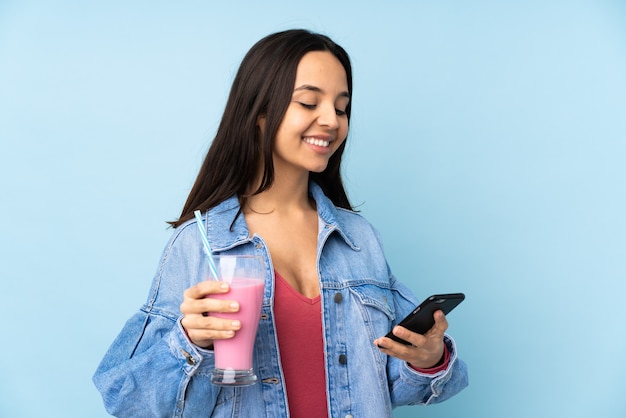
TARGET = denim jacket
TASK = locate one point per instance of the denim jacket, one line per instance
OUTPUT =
(153, 370)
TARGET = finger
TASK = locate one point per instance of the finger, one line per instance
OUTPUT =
(196, 300)
(205, 288)
(210, 324)
(395, 349)
(200, 329)
(409, 336)
(440, 327)
(386, 345)
(207, 305)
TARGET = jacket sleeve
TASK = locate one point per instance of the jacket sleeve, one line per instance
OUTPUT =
(152, 369)
(410, 387)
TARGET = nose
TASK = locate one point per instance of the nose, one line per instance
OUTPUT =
(328, 116)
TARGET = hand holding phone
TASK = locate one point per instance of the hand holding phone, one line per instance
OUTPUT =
(421, 319)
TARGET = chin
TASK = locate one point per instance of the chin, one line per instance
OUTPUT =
(318, 169)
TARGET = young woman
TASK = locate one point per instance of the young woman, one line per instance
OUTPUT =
(271, 185)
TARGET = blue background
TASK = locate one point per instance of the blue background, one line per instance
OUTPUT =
(488, 145)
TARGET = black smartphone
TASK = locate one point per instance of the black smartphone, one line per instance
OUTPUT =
(421, 319)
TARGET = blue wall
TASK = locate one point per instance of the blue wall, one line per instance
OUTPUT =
(493, 134)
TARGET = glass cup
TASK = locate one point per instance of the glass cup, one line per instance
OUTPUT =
(233, 356)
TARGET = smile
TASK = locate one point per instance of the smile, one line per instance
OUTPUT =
(316, 142)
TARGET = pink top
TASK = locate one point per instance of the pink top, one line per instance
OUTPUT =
(299, 328)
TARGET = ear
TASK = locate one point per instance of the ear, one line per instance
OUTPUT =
(260, 125)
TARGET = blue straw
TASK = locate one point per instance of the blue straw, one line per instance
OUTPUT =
(207, 246)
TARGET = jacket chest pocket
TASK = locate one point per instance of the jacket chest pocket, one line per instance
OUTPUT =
(376, 306)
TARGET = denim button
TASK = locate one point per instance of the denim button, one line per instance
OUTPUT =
(188, 358)
(343, 359)
(338, 297)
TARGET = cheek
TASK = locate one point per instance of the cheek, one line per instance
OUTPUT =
(288, 130)
(342, 133)
(343, 129)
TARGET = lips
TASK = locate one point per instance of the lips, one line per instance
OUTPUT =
(317, 141)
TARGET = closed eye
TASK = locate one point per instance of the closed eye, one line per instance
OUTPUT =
(339, 112)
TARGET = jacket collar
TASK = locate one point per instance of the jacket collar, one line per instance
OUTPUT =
(222, 237)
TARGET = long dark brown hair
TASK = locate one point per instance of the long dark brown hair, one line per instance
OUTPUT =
(263, 86)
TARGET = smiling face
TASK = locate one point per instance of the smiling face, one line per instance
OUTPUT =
(315, 123)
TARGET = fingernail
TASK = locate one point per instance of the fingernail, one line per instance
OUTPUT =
(224, 286)
(236, 324)
(234, 305)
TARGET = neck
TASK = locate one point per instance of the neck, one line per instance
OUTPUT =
(287, 193)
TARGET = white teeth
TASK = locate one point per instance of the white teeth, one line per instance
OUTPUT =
(318, 142)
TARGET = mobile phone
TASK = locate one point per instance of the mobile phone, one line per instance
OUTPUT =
(421, 319)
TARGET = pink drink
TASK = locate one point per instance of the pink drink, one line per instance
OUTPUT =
(236, 353)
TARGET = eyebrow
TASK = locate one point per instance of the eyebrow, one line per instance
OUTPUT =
(315, 89)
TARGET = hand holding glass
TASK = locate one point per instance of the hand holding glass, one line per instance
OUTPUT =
(233, 356)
